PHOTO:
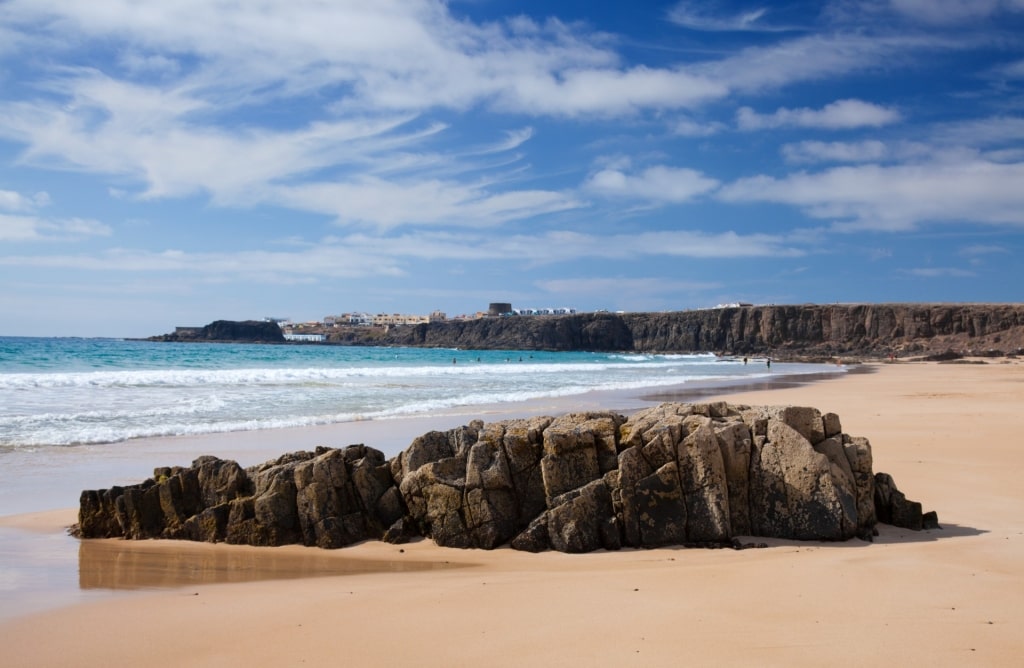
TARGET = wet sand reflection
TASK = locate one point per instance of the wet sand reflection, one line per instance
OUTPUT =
(123, 565)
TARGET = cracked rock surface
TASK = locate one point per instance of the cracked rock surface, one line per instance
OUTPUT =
(675, 474)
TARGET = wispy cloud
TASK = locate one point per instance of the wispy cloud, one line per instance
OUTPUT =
(979, 254)
(658, 184)
(1012, 70)
(897, 197)
(23, 221)
(361, 255)
(392, 203)
(869, 150)
(815, 57)
(952, 12)
(840, 115)
(634, 293)
(16, 202)
(607, 285)
(687, 127)
(939, 272)
(976, 250)
(980, 132)
(705, 16)
(14, 228)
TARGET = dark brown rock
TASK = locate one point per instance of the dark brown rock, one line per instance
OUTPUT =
(893, 507)
(674, 474)
(807, 330)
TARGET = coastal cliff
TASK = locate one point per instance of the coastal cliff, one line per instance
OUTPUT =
(797, 330)
(808, 331)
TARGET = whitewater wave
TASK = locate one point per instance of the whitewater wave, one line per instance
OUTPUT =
(299, 376)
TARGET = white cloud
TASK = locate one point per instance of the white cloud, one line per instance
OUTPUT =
(141, 64)
(565, 246)
(950, 14)
(813, 58)
(898, 197)
(26, 228)
(23, 223)
(372, 68)
(633, 293)
(142, 137)
(607, 92)
(980, 132)
(327, 261)
(513, 140)
(385, 204)
(939, 272)
(816, 151)
(606, 285)
(1014, 70)
(146, 133)
(703, 16)
(17, 202)
(687, 127)
(948, 11)
(977, 250)
(657, 184)
(408, 55)
(842, 114)
(364, 77)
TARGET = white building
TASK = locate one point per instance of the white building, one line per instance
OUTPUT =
(304, 338)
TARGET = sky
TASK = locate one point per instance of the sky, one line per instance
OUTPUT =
(174, 163)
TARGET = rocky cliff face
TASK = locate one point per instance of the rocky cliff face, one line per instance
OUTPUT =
(813, 330)
(676, 474)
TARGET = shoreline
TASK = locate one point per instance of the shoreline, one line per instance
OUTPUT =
(947, 433)
(25, 488)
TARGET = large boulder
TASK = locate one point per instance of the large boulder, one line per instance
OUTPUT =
(674, 474)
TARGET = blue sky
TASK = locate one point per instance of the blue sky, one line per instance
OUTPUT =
(172, 163)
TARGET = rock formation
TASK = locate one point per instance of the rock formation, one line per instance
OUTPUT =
(675, 474)
(249, 331)
(803, 331)
(872, 330)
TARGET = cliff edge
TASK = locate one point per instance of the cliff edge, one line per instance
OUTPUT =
(807, 331)
(860, 330)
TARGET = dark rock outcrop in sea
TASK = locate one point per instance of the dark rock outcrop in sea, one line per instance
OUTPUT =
(248, 331)
(676, 474)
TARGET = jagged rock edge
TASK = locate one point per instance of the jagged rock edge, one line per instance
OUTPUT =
(674, 474)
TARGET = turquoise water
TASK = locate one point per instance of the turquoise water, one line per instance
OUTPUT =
(67, 392)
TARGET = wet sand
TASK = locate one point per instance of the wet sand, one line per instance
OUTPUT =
(948, 433)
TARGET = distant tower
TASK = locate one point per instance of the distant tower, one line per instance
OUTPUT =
(499, 308)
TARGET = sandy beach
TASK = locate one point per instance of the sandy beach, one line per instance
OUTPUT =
(948, 433)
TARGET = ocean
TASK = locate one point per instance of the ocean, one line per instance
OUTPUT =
(70, 392)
